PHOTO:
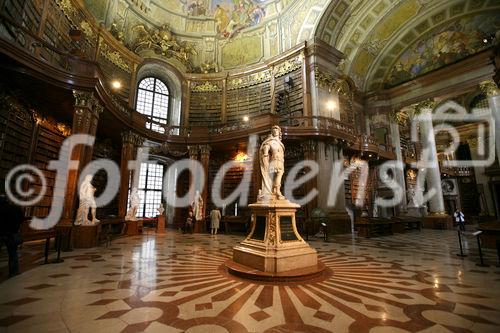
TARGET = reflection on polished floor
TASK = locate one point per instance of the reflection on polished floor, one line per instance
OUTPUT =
(412, 282)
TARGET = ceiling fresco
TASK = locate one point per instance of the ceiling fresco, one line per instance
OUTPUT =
(387, 42)
(215, 34)
(447, 44)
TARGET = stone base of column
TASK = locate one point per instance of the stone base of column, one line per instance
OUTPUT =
(338, 223)
(85, 236)
(414, 211)
(438, 221)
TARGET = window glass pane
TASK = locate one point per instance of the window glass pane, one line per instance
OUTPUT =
(150, 189)
(153, 101)
(147, 83)
(161, 87)
(140, 211)
(142, 175)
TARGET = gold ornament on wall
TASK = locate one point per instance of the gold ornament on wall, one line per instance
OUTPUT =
(114, 57)
(288, 66)
(162, 41)
(207, 86)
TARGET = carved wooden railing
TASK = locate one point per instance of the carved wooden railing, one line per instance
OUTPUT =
(369, 145)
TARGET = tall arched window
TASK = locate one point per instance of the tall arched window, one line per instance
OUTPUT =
(153, 101)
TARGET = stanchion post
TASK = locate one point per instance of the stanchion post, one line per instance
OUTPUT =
(460, 242)
(482, 264)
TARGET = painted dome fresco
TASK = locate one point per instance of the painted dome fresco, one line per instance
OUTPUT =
(220, 34)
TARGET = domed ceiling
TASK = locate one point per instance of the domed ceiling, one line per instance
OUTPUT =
(387, 43)
(213, 34)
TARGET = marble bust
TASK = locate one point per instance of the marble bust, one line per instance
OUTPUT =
(272, 166)
(135, 201)
(87, 201)
(160, 209)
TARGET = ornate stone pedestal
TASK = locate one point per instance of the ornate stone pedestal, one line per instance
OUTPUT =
(416, 211)
(273, 245)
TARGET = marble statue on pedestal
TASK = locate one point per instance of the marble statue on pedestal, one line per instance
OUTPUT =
(197, 206)
(135, 201)
(273, 244)
(272, 161)
(87, 201)
(160, 209)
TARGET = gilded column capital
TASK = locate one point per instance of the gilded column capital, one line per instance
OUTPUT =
(131, 137)
(309, 147)
(193, 152)
(87, 100)
(428, 104)
(489, 88)
(205, 151)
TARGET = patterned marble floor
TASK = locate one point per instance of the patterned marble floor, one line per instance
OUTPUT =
(411, 282)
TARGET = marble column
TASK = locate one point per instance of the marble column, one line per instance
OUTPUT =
(85, 119)
(130, 143)
(327, 155)
(205, 162)
(309, 148)
(399, 173)
(432, 175)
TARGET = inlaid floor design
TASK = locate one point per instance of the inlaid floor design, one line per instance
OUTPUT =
(411, 282)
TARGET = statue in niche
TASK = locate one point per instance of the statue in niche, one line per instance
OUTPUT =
(135, 201)
(87, 201)
(160, 209)
(197, 206)
(272, 166)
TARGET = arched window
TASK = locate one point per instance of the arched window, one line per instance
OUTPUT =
(153, 99)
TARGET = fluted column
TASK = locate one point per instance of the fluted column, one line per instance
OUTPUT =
(433, 174)
(309, 148)
(399, 173)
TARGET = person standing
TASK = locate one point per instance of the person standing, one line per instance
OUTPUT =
(459, 219)
(215, 217)
(189, 223)
(9, 231)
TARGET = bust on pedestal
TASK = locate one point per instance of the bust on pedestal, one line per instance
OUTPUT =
(160, 226)
(273, 246)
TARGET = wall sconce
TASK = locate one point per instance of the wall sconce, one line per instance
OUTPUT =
(246, 119)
